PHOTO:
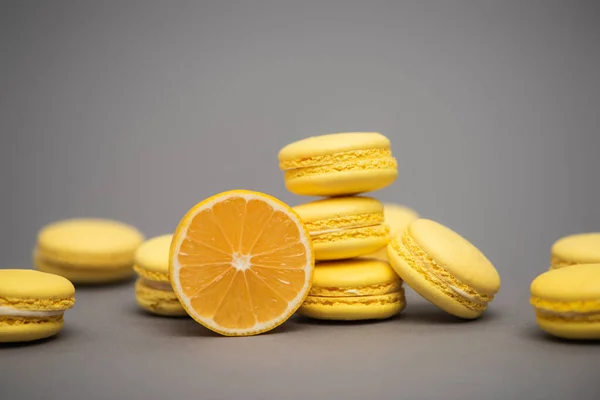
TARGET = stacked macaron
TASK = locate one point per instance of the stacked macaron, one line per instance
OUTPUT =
(345, 225)
(566, 297)
(88, 251)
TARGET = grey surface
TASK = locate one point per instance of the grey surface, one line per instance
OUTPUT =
(138, 110)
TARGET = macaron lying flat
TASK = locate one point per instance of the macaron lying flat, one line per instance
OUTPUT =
(567, 301)
(356, 289)
(338, 164)
(397, 217)
(32, 304)
(91, 251)
(582, 248)
(344, 227)
(153, 291)
(444, 268)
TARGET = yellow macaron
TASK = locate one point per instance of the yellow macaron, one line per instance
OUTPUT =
(582, 248)
(344, 227)
(397, 217)
(567, 301)
(91, 251)
(32, 304)
(444, 268)
(153, 291)
(356, 289)
(338, 164)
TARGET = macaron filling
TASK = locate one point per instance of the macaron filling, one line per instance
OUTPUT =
(557, 262)
(358, 165)
(437, 275)
(334, 158)
(341, 223)
(158, 285)
(368, 232)
(381, 299)
(576, 311)
(354, 291)
(15, 312)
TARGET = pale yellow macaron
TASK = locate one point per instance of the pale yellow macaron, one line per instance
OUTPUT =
(444, 268)
(153, 291)
(567, 301)
(582, 248)
(338, 164)
(344, 227)
(397, 217)
(32, 304)
(91, 251)
(356, 289)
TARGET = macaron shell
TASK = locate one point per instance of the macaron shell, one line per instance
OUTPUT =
(570, 330)
(153, 254)
(12, 333)
(583, 248)
(456, 254)
(336, 207)
(332, 182)
(353, 273)
(89, 276)
(575, 283)
(159, 302)
(89, 242)
(333, 143)
(27, 284)
(350, 247)
(353, 308)
(427, 290)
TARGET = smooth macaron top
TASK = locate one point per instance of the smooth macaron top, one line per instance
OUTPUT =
(336, 207)
(456, 255)
(398, 217)
(353, 273)
(28, 284)
(576, 283)
(90, 238)
(579, 248)
(316, 146)
(153, 255)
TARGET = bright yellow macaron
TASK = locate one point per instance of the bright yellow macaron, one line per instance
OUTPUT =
(344, 227)
(444, 268)
(356, 289)
(153, 289)
(582, 248)
(397, 217)
(567, 301)
(90, 251)
(32, 304)
(338, 164)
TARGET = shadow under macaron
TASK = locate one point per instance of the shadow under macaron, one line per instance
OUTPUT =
(66, 333)
(423, 313)
(533, 333)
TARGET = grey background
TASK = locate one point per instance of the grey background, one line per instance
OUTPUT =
(137, 110)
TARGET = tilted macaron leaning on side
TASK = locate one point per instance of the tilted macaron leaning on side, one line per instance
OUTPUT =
(444, 268)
